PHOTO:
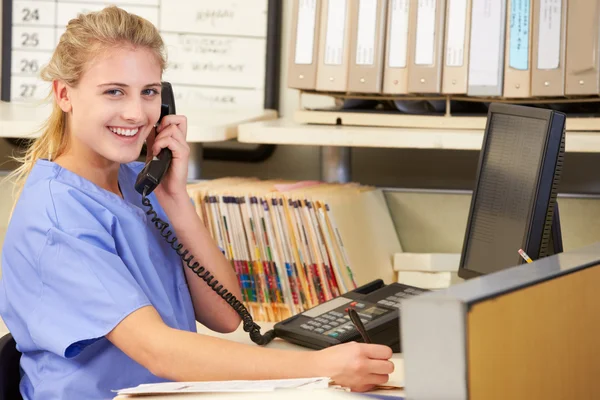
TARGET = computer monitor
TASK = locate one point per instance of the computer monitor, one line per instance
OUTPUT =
(514, 199)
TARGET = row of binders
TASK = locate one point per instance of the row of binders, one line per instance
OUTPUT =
(491, 48)
(294, 245)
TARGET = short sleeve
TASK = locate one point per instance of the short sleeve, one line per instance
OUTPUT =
(86, 291)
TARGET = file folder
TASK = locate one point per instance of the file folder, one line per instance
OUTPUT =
(395, 71)
(334, 45)
(426, 42)
(486, 48)
(367, 38)
(294, 245)
(517, 66)
(548, 48)
(582, 76)
(304, 39)
(456, 53)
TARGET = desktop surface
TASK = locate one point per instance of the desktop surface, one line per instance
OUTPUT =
(396, 378)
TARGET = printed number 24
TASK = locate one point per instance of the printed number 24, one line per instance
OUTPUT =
(31, 15)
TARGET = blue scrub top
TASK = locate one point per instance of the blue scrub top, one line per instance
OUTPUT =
(76, 260)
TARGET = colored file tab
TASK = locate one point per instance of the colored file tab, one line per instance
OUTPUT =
(295, 245)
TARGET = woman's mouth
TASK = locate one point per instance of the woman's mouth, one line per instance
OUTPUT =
(124, 132)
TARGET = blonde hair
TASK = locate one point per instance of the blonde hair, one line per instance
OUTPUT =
(85, 38)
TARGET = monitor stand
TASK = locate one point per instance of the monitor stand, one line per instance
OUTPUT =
(555, 245)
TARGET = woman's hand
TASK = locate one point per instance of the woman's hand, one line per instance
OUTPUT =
(357, 366)
(171, 133)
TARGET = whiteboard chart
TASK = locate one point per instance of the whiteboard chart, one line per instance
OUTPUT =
(217, 50)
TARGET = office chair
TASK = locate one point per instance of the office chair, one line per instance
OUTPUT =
(10, 374)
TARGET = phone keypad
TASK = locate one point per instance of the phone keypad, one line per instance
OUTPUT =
(394, 301)
(336, 324)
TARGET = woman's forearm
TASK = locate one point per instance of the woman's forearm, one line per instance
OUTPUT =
(210, 309)
(192, 357)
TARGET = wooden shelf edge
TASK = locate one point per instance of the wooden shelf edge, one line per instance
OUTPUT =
(286, 132)
(388, 120)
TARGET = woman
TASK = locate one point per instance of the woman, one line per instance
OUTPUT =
(93, 295)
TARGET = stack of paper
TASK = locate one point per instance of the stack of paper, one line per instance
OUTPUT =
(427, 270)
(225, 386)
(294, 245)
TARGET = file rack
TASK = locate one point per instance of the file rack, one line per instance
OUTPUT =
(336, 131)
(448, 120)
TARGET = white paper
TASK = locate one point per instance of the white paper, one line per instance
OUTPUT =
(398, 37)
(227, 386)
(457, 25)
(484, 53)
(425, 46)
(334, 39)
(365, 43)
(549, 34)
(305, 33)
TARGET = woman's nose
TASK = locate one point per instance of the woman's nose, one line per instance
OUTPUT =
(133, 110)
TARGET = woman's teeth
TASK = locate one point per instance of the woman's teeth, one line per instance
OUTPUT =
(124, 132)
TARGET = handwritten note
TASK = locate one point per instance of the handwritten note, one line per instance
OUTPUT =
(215, 60)
(223, 17)
(202, 97)
(519, 34)
(216, 50)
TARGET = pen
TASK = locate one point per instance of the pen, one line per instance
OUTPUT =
(359, 325)
(525, 256)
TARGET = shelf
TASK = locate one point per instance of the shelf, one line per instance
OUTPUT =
(284, 131)
(397, 120)
(18, 120)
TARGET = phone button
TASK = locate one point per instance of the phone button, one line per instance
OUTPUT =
(334, 334)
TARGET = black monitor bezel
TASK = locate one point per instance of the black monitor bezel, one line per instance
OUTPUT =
(540, 210)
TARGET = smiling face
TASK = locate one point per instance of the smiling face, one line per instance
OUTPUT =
(114, 107)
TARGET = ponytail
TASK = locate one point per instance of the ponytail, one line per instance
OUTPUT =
(50, 144)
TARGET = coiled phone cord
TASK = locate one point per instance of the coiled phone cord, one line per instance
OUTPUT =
(248, 323)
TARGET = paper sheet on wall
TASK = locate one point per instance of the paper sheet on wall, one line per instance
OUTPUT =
(226, 386)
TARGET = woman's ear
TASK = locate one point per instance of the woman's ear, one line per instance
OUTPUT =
(62, 95)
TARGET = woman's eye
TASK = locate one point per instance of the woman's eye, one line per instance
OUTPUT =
(150, 92)
(114, 92)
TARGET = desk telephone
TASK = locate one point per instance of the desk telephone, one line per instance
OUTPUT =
(322, 326)
(328, 324)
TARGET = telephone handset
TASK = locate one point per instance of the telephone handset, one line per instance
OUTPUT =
(147, 180)
(156, 168)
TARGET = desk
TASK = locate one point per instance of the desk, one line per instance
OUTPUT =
(23, 120)
(240, 336)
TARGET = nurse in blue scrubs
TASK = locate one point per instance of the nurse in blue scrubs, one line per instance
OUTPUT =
(93, 295)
